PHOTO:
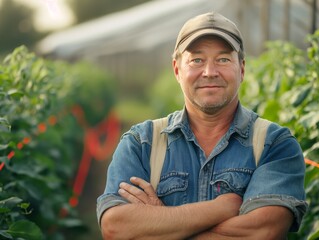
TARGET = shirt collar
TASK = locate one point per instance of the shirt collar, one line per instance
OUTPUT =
(179, 120)
(243, 121)
(241, 124)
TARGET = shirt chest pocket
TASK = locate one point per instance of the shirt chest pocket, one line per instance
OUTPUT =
(172, 188)
(231, 181)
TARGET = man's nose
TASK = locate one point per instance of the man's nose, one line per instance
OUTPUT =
(210, 69)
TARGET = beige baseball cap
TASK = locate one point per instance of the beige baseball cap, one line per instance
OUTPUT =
(211, 23)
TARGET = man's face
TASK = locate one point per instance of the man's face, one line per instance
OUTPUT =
(210, 74)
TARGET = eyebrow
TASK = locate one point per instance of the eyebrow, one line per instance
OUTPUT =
(220, 52)
(226, 51)
(195, 52)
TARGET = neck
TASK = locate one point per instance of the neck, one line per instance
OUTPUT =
(209, 128)
(200, 121)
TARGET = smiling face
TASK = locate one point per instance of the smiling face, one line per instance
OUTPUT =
(210, 74)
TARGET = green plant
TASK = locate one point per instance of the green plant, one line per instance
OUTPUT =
(39, 142)
(165, 95)
(282, 85)
(34, 175)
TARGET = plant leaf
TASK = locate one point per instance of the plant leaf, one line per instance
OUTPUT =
(25, 229)
(4, 234)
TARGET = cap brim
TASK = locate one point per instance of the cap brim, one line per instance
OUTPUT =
(185, 44)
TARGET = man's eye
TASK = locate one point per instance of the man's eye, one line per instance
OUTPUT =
(223, 60)
(197, 60)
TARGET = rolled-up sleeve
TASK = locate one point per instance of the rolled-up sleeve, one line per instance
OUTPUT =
(127, 161)
(105, 202)
(279, 178)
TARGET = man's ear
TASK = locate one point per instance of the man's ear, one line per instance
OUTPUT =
(175, 68)
(242, 68)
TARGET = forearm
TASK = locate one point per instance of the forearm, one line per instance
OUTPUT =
(231, 229)
(267, 223)
(139, 221)
(136, 221)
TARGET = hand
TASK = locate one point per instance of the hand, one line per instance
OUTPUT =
(135, 195)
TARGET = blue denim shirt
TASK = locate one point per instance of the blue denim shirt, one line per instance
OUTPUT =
(188, 176)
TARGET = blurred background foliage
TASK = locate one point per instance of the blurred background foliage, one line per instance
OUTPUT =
(37, 125)
(283, 85)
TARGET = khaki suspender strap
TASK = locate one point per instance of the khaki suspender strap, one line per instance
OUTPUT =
(159, 145)
(260, 131)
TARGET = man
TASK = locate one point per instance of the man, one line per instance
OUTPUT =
(210, 186)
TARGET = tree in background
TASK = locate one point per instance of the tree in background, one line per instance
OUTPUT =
(16, 26)
(88, 9)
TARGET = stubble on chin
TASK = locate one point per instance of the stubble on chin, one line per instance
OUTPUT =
(210, 108)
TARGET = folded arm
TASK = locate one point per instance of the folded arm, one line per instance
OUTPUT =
(148, 219)
(266, 223)
(270, 222)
